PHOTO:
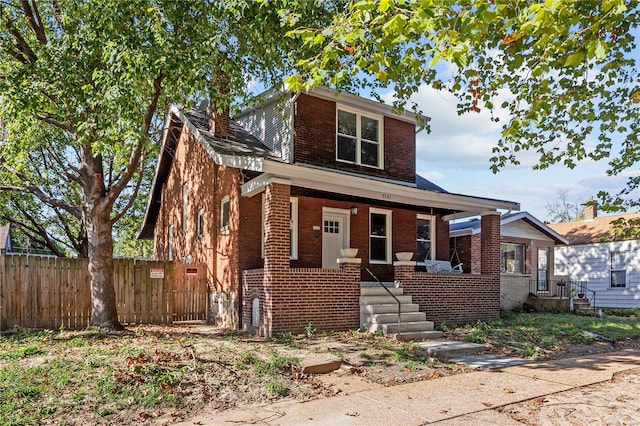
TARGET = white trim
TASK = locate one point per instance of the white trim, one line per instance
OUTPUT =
(200, 226)
(366, 187)
(293, 226)
(388, 236)
(358, 136)
(223, 201)
(433, 235)
(259, 184)
(170, 243)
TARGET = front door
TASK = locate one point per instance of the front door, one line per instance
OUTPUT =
(335, 236)
(543, 273)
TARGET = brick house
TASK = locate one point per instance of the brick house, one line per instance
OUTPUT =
(526, 256)
(268, 200)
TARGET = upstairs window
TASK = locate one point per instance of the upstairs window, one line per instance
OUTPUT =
(618, 269)
(359, 138)
(185, 206)
(200, 225)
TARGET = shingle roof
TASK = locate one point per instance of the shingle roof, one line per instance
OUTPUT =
(473, 225)
(589, 231)
(237, 142)
(422, 183)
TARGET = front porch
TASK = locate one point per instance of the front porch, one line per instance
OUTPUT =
(281, 298)
(560, 294)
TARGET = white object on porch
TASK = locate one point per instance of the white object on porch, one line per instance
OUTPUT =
(444, 266)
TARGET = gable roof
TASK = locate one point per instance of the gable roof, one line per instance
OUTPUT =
(590, 231)
(472, 226)
(237, 149)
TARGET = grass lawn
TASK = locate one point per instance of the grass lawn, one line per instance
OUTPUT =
(536, 335)
(163, 375)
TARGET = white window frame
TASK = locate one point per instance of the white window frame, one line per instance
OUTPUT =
(185, 206)
(293, 228)
(359, 114)
(223, 225)
(521, 270)
(200, 224)
(389, 236)
(432, 241)
(625, 261)
(170, 243)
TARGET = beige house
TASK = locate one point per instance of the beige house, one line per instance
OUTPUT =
(526, 256)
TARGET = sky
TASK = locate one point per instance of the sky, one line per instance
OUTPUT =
(456, 154)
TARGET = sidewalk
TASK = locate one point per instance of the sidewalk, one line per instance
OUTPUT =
(462, 399)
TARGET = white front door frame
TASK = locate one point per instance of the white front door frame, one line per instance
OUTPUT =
(335, 235)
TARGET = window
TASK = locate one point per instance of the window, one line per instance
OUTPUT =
(512, 258)
(379, 236)
(224, 212)
(293, 228)
(200, 224)
(185, 206)
(424, 235)
(170, 243)
(358, 138)
(618, 269)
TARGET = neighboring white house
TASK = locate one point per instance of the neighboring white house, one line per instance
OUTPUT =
(611, 269)
(5, 239)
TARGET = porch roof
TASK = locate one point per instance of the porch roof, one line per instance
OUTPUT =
(472, 226)
(405, 193)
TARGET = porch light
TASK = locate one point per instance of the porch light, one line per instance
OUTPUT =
(354, 210)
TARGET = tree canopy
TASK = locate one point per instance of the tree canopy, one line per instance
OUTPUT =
(85, 86)
(566, 71)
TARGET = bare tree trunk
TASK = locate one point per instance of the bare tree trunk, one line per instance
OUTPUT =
(100, 244)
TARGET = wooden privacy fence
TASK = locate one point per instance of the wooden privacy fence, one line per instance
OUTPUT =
(50, 292)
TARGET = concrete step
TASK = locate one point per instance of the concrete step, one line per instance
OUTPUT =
(379, 291)
(389, 308)
(377, 284)
(392, 318)
(416, 336)
(447, 349)
(404, 326)
(384, 300)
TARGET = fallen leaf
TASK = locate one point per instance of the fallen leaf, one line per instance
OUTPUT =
(621, 399)
(509, 390)
(444, 411)
(487, 404)
(352, 414)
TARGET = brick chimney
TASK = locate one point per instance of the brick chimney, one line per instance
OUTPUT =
(219, 105)
(590, 210)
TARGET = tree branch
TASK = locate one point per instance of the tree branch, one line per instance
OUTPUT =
(134, 158)
(34, 21)
(50, 120)
(21, 43)
(32, 189)
(136, 189)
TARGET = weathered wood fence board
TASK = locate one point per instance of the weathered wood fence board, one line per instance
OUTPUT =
(48, 292)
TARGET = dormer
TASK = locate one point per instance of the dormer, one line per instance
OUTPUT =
(338, 131)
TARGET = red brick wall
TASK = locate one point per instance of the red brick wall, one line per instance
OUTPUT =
(315, 141)
(403, 234)
(326, 299)
(490, 238)
(452, 299)
(463, 246)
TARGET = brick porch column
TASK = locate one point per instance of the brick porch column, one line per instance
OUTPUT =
(276, 227)
(490, 244)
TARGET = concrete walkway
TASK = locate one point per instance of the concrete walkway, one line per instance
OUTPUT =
(462, 399)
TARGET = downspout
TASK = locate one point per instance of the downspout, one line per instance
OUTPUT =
(292, 114)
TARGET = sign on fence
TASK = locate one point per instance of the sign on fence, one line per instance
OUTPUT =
(48, 292)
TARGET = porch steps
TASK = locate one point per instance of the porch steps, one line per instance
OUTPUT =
(583, 306)
(379, 313)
